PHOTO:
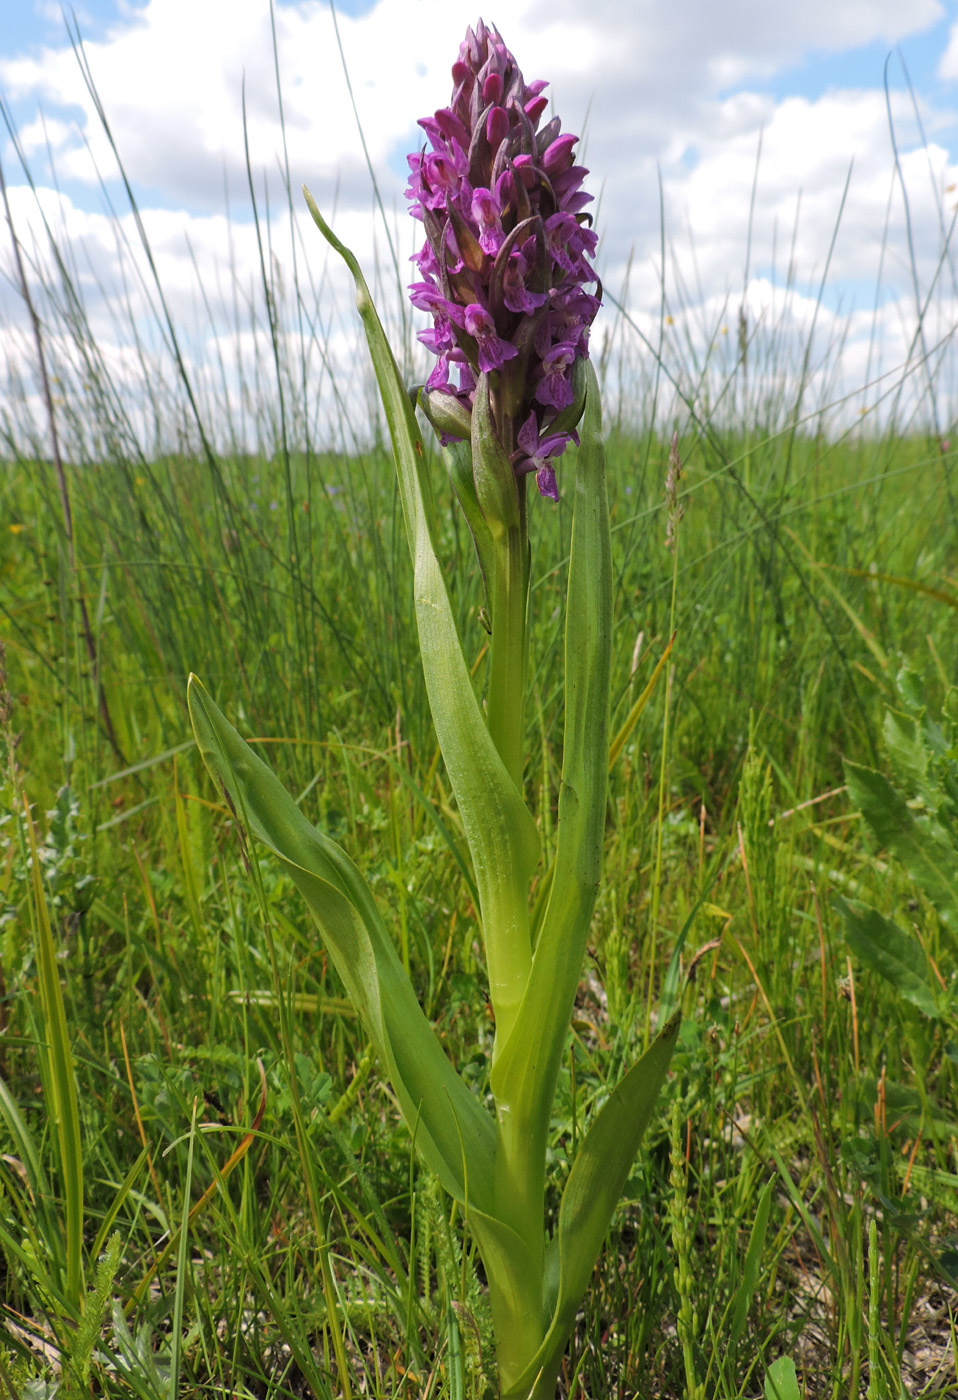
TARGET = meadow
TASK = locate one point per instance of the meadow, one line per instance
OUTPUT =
(206, 1188)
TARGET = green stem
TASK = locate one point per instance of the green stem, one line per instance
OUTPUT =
(508, 648)
(660, 821)
(500, 500)
(520, 1178)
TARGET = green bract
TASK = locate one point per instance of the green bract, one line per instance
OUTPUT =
(494, 1165)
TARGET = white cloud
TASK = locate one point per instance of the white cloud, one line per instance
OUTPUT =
(108, 341)
(808, 150)
(652, 82)
(948, 67)
(171, 77)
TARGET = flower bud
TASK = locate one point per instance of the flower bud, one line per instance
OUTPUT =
(449, 415)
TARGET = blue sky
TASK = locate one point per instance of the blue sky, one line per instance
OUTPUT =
(32, 23)
(863, 66)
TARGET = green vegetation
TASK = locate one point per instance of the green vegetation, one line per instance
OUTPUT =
(205, 1187)
(227, 1131)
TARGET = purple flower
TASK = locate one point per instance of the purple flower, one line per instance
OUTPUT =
(493, 351)
(569, 243)
(536, 453)
(515, 293)
(486, 213)
(507, 257)
(555, 388)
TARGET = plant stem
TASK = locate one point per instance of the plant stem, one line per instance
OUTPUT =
(680, 1219)
(508, 647)
(660, 818)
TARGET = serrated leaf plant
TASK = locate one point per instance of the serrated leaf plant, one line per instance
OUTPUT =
(506, 277)
(914, 817)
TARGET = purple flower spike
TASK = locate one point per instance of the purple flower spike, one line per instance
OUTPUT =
(507, 260)
(515, 293)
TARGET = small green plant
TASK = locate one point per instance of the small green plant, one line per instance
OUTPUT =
(505, 271)
(781, 1380)
(914, 817)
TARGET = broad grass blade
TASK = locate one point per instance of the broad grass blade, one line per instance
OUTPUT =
(59, 1079)
(752, 1265)
(36, 1238)
(634, 715)
(781, 1380)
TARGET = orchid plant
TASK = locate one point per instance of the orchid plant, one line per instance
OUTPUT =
(506, 277)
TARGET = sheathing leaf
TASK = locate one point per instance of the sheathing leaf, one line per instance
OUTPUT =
(453, 1132)
(593, 1190)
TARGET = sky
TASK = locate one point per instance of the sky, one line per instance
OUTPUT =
(788, 169)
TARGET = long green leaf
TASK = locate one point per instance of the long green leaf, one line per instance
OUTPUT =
(499, 827)
(453, 1132)
(515, 1291)
(59, 1082)
(752, 1265)
(592, 1193)
(895, 955)
(524, 1075)
(919, 842)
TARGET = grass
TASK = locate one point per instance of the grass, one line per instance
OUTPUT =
(205, 1188)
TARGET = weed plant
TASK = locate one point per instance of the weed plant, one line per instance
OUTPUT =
(190, 1204)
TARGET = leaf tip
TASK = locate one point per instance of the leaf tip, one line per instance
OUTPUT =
(317, 217)
(196, 693)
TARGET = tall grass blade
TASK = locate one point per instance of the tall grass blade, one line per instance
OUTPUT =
(59, 1080)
